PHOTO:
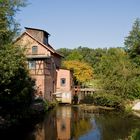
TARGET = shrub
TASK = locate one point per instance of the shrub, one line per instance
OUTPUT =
(104, 100)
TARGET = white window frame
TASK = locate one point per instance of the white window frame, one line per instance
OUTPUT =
(31, 64)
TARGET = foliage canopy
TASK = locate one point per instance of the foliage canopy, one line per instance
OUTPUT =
(82, 71)
(15, 84)
(132, 42)
(8, 25)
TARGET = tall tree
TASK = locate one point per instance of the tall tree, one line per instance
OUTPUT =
(132, 42)
(8, 24)
(16, 87)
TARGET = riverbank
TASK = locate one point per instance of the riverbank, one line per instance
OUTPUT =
(93, 108)
(36, 112)
(129, 108)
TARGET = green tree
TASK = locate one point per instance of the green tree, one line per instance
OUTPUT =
(134, 35)
(132, 42)
(75, 55)
(15, 84)
(64, 52)
(118, 75)
(8, 25)
(16, 87)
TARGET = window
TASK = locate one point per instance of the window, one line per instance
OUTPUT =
(31, 64)
(63, 81)
(34, 49)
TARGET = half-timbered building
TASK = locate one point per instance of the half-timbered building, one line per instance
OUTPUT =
(44, 63)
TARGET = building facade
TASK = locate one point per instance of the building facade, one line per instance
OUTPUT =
(64, 87)
(44, 63)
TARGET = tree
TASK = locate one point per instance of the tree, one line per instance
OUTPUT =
(134, 35)
(84, 54)
(16, 87)
(118, 75)
(132, 42)
(64, 52)
(82, 71)
(15, 84)
(75, 55)
(8, 25)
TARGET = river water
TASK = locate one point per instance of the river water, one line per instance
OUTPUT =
(71, 123)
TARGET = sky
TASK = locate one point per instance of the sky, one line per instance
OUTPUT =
(86, 23)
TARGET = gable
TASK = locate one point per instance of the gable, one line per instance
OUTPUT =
(26, 41)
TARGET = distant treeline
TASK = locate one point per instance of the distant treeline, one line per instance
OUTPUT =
(116, 69)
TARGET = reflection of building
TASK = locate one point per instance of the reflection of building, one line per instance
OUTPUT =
(64, 123)
(56, 125)
(46, 130)
(44, 64)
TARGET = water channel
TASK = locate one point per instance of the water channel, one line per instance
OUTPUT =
(71, 123)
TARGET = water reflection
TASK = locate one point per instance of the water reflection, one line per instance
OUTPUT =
(63, 123)
(117, 126)
(67, 123)
(84, 126)
(45, 130)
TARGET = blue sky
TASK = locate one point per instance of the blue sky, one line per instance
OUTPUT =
(86, 23)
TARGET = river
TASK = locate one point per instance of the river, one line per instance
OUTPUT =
(71, 123)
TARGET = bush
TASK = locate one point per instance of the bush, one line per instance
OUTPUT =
(48, 105)
(104, 100)
(135, 134)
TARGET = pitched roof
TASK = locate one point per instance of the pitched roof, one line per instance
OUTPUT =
(49, 47)
(37, 30)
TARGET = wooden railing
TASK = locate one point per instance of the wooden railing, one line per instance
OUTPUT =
(80, 89)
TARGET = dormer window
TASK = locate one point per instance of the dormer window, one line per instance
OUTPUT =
(34, 49)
